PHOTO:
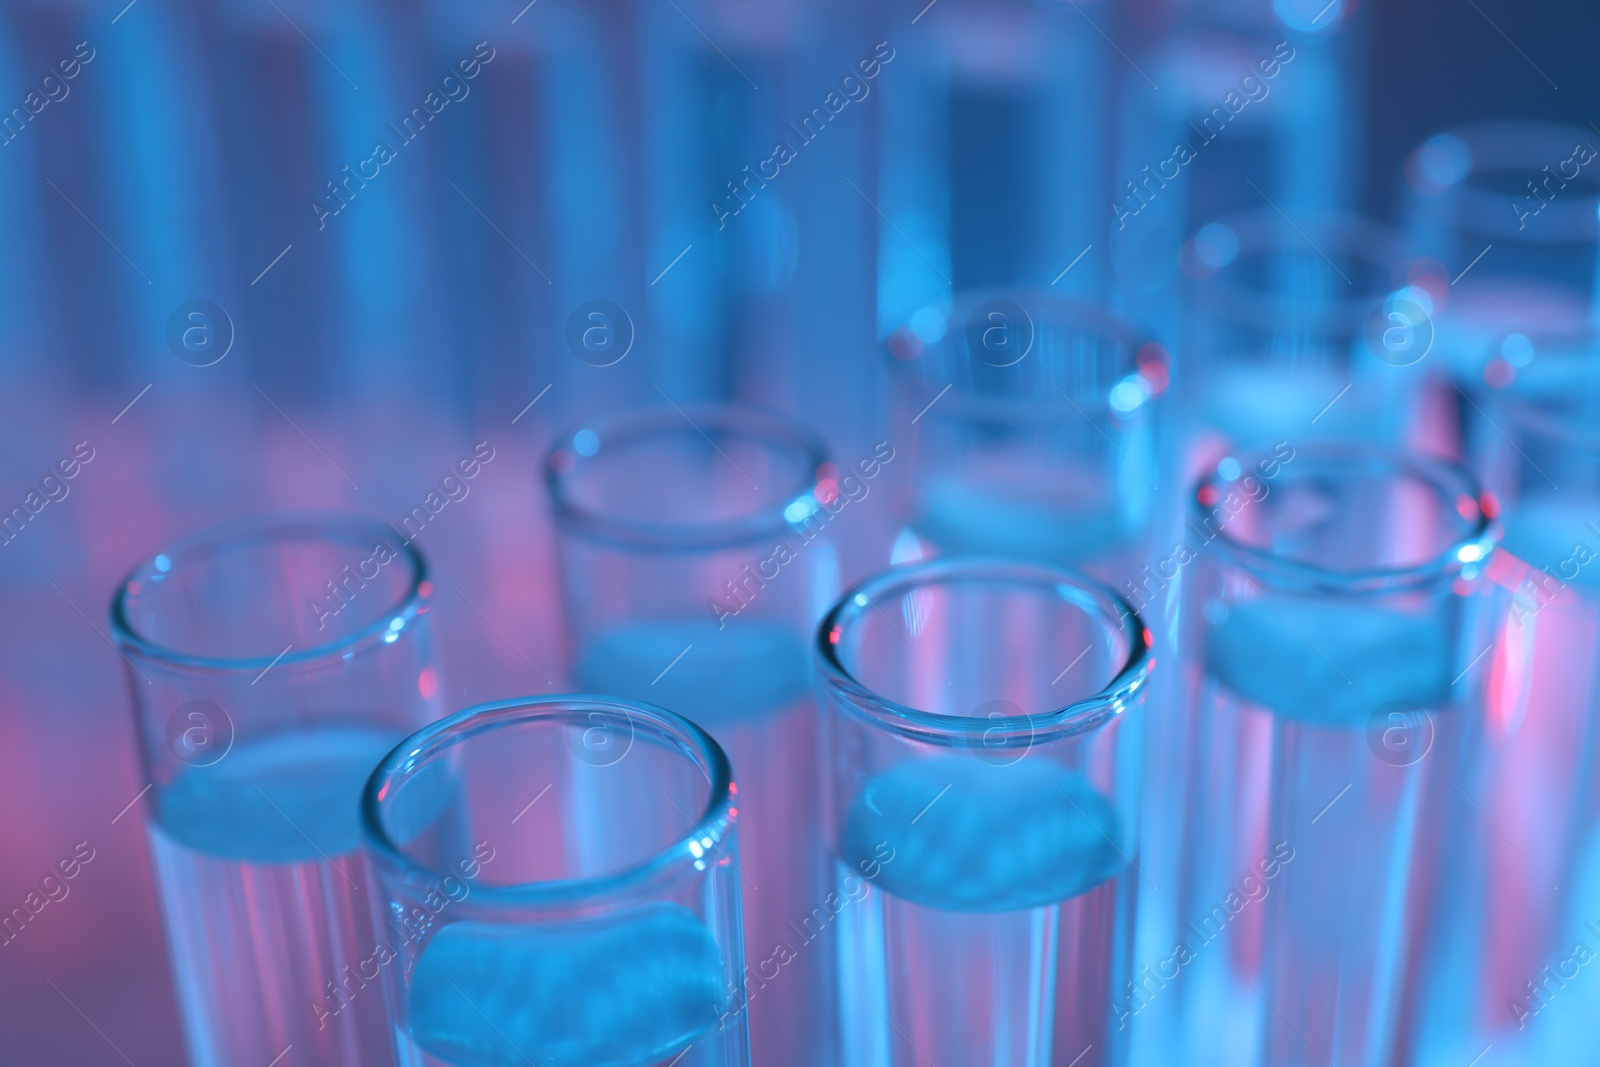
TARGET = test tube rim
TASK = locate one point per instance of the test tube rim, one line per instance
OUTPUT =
(1099, 317)
(951, 731)
(673, 863)
(356, 527)
(749, 420)
(1263, 229)
(1528, 416)
(1452, 481)
(1575, 219)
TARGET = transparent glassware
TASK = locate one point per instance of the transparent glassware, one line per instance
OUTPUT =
(695, 554)
(556, 882)
(983, 729)
(994, 158)
(1530, 190)
(1335, 623)
(1503, 227)
(320, 318)
(763, 193)
(1297, 329)
(1528, 871)
(272, 663)
(1239, 96)
(1038, 431)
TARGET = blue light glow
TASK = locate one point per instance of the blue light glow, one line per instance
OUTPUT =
(799, 509)
(1128, 394)
(1216, 245)
(1517, 349)
(929, 325)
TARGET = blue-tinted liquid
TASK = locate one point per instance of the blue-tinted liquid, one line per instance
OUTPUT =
(728, 677)
(980, 923)
(629, 990)
(265, 902)
(1523, 904)
(747, 684)
(998, 512)
(1311, 835)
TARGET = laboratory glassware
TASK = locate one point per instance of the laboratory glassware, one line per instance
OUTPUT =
(983, 724)
(272, 662)
(555, 881)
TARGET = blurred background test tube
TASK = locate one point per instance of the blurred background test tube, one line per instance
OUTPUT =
(757, 121)
(1037, 431)
(672, 205)
(272, 663)
(1527, 873)
(1293, 332)
(983, 734)
(543, 900)
(1231, 107)
(1503, 222)
(993, 156)
(1332, 624)
(1524, 194)
(695, 555)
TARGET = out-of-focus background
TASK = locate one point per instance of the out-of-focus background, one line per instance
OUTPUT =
(273, 254)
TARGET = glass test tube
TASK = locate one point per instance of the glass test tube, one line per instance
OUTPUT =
(1503, 223)
(272, 663)
(555, 884)
(1528, 189)
(1277, 347)
(1331, 630)
(1527, 873)
(695, 560)
(1251, 111)
(295, 123)
(982, 727)
(1037, 426)
(994, 153)
(758, 151)
(1283, 317)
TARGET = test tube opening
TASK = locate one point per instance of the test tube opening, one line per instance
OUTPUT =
(1010, 355)
(281, 589)
(1344, 518)
(970, 651)
(1325, 270)
(689, 478)
(652, 790)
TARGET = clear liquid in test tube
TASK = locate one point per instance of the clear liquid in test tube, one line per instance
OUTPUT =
(272, 663)
(983, 722)
(696, 550)
(1333, 614)
(1504, 947)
